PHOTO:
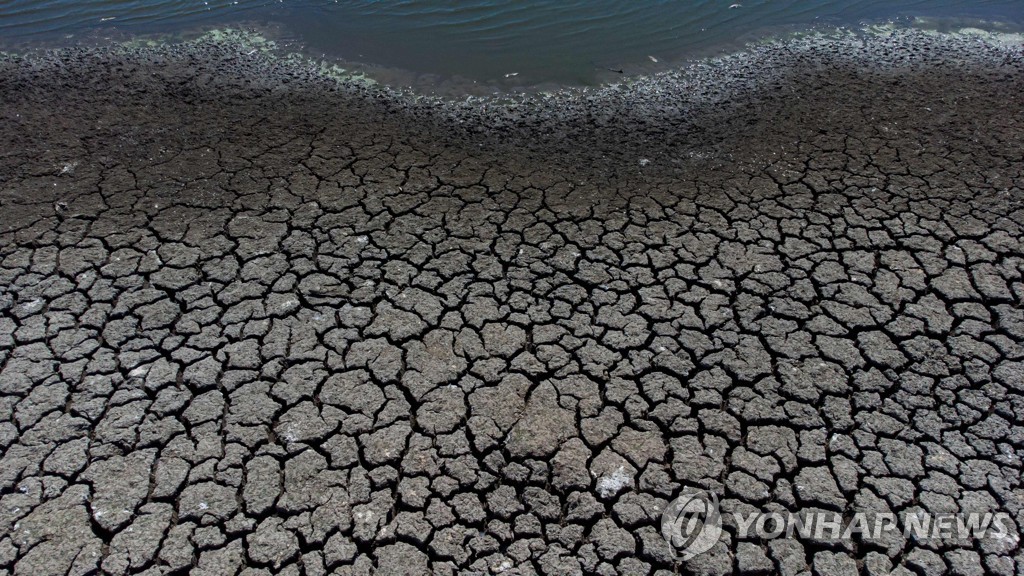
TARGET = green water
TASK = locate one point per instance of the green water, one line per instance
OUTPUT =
(513, 42)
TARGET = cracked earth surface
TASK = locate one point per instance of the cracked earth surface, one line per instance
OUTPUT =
(252, 323)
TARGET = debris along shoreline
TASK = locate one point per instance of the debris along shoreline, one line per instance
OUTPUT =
(257, 314)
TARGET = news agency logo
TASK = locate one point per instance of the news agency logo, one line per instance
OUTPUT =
(692, 524)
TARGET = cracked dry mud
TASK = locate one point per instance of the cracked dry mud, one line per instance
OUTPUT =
(256, 322)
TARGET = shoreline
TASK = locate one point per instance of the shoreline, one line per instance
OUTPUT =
(273, 40)
(672, 123)
(257, 316)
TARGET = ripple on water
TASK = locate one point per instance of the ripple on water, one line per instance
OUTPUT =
(509, 42)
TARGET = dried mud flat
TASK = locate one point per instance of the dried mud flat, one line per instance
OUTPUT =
(254, 320)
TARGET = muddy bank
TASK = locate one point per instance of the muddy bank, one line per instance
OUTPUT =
(258, 316)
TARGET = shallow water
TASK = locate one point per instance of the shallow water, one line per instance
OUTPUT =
(521, 42)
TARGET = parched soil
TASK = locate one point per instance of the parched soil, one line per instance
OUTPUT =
(254, 321)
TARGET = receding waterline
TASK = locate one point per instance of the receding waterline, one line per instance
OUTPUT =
(510, 42)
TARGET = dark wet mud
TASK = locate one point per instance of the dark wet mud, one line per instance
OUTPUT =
(256, 320)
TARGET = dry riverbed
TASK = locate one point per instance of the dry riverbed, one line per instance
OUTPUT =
(259, 318)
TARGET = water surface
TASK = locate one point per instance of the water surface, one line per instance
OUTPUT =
(524, 42)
